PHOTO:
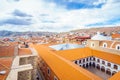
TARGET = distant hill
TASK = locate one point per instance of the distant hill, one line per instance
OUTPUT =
(107, 30)
(13, 34)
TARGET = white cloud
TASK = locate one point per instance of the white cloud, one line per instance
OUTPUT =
(99, 2)
(62, 18)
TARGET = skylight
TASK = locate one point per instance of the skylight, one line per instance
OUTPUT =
(66, 46)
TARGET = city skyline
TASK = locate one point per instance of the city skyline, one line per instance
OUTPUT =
(58, 16)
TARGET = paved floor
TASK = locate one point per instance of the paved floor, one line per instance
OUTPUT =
(99, 73)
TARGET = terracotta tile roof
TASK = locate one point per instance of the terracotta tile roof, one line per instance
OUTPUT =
(24, 51)
(74, 54)
(116, 36)
(6, 51)
(63, 68)
(5, 64)
(107, 56)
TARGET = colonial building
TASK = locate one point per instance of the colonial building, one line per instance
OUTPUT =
(98, 60)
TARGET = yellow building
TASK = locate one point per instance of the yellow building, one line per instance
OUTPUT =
(81, 63)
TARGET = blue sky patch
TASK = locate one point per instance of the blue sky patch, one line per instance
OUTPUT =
(13, 0)
(20, 14)
(15, 21)
(71, 5)
(58, 15)
(109, 22)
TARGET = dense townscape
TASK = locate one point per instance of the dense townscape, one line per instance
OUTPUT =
(75, 54)
(60, 40)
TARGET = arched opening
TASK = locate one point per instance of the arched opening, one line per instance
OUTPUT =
(109, 64)
(37, 78)
(114, 72)
(79, 61)
(103, 69)
(103, 62)
(93, 59)
(83, 65)
(98, 60)
(87, 65)
(118, 47)
(90, 64)
(115, 67)
(108, 71)
(90, 58)
(75, 62)
(87, 59)
(92, 44)
(83, 60)
(98, 66)
(93, 64)
(105, 45)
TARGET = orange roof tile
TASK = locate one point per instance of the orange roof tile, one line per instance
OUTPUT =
(6, 51)
(107, 56)
(116, 36)
(24, 51)
(74, 54)
(5, 64)
(63, 68)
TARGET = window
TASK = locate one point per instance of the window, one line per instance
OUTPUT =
(75, 62)
(103, 69)
(118, 47)
(90, 58)
(108, 64)
(87, 59)
(98, 66)
(103, 62)
(92, 45)
(55, 78)
(114, 72)
(83, 60)
(79, 61)
(93, 59)
(108, 71)
(48, 71)
(115, 67)
(105, 45)
(98, 60)
(93, 64)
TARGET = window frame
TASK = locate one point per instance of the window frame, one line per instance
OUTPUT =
(118, 45)
(92, 44)
(105, 45)
(48, 71)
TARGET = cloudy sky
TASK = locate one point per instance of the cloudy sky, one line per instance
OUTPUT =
(58, 15)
